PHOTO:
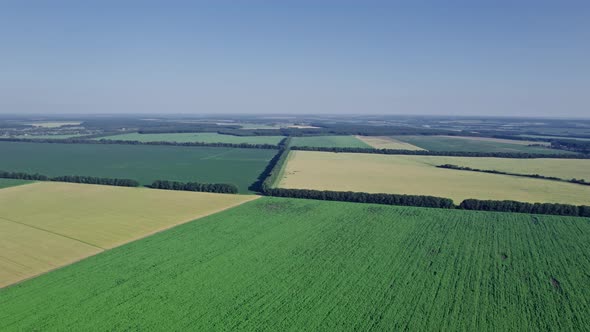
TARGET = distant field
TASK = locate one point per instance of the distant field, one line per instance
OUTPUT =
(5, 183)
(48, 224)
(418, 175)
(294, 265)
(42, 136)
(54, 124)
(196, 137)
(329, 142)
(384, 142)
(557, 137)
(139, 162)
(476, 144)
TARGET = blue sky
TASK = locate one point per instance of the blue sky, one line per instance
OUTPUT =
(523, 58)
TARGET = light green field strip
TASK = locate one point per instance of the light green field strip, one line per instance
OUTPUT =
(477, 144)
(385, 142)
(99, 217)
(196, 137)
(416, 176)
(329, 142)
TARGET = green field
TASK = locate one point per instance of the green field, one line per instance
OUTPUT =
(284, 264)
(196, 137)
(330, 142)
(5, 183)
(139, 162)
(476, 144)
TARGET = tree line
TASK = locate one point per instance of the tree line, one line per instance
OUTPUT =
(109, 141)
(434, 202)
(222, 188)
(523, 207)
(517, 155)
(264, 177)
(273, 170)
(159, 184)
(535, 176)
(70, 178)
(572, 145)
(361, 197)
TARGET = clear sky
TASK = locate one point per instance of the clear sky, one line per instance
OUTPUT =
(472, 57)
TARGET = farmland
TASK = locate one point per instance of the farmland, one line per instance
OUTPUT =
(330, 142)
(561, 168)
(196, 137)
(476, 144)
(384, 142)
(5, 183)
(417, 175)
(46, 224)
(138, 162)
(54, 124)
(58, 136)
(286, 264)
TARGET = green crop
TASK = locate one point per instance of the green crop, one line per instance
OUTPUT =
(285, 264)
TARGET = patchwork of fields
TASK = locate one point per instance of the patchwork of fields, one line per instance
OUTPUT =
(286, 264)
(45, 225)
(476, 144)
(329, 142)
(143, 163)
(196, 137)
(417, 175)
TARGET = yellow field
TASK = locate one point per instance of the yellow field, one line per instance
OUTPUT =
(497, 140)
(416, 175)
(45, 225)
(384, 142)
(561, 168)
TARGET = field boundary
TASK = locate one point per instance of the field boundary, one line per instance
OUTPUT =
(126, 142)
(103, 250)
(534, 176)
(514, 155)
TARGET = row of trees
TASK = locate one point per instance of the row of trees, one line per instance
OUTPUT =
(572, 145)
(520, 155)
(195, 186)
(534, 176)
(70, 178)
(267, 176)
(274, 168)
(523, 207)
(109, 141)
(360, 197)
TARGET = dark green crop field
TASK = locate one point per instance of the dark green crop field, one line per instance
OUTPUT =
(5, 183)
(143, 163)
(285, 264)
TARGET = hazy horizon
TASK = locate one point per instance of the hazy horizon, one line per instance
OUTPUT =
(489, 59)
